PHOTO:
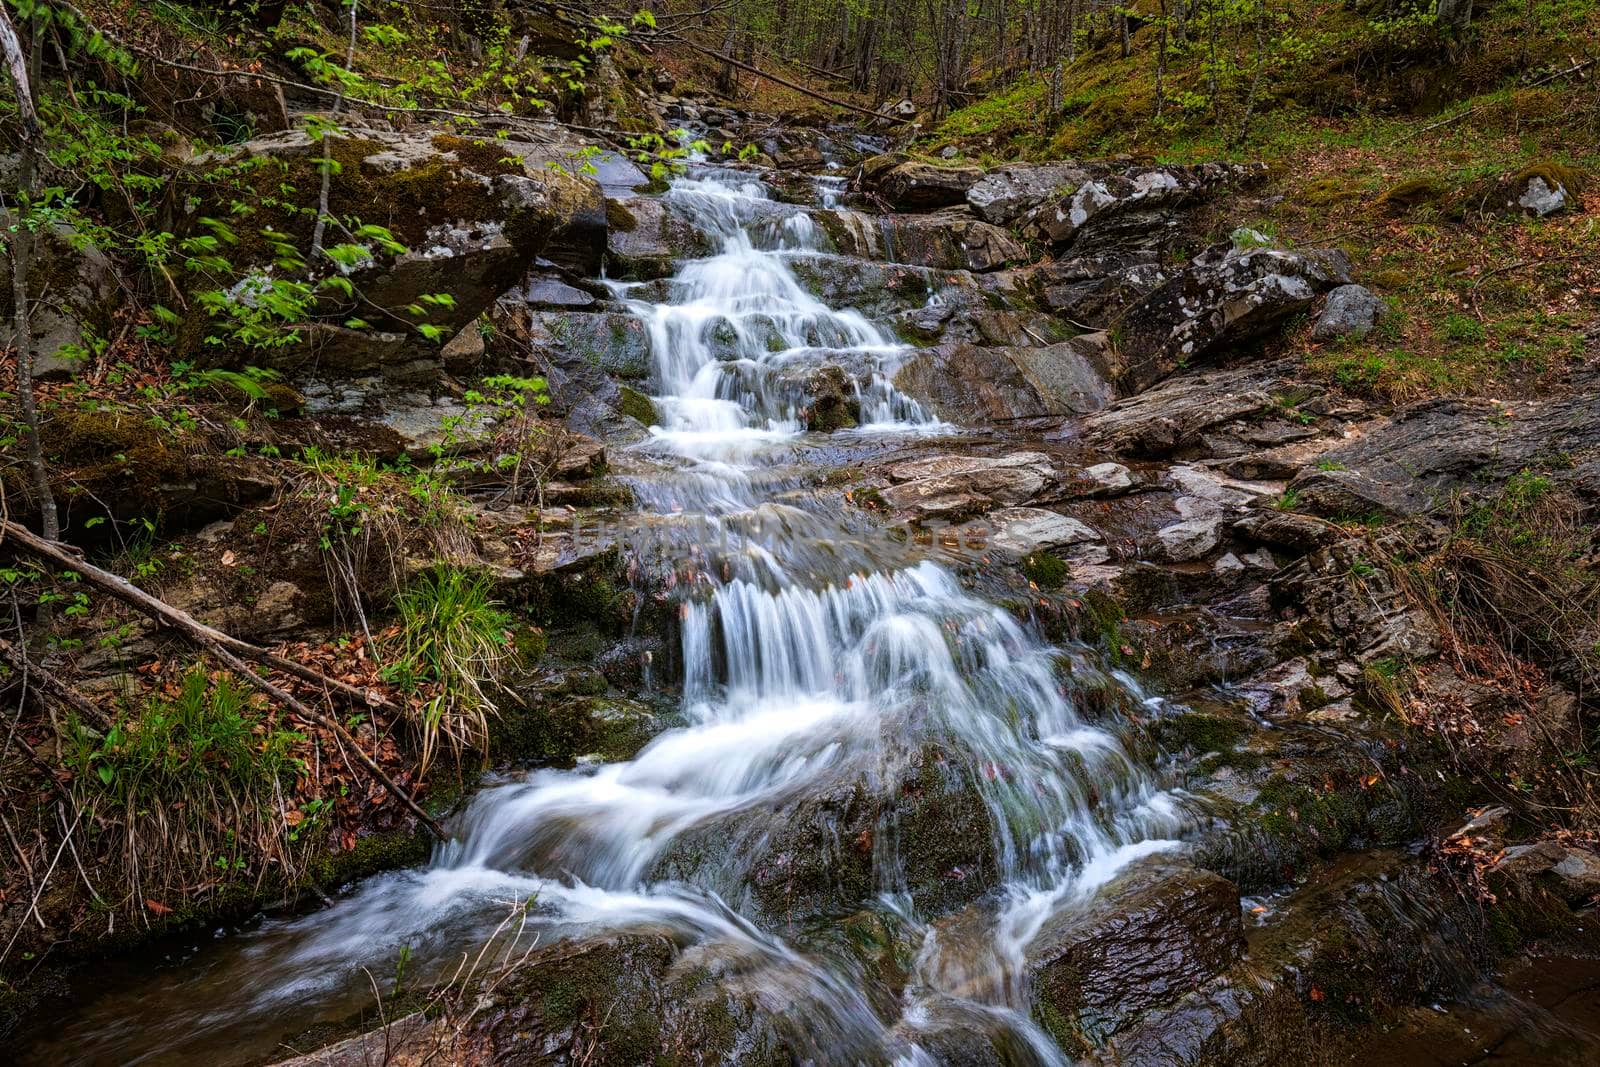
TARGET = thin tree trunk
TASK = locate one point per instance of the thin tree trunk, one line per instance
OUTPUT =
(319, 230)
(18, 67)
(1161, 61)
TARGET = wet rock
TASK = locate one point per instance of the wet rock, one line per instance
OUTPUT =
(568, 728)
(952, 486)
(549, 292)
(1574, 872)
(80, 290)
(1371, 934)
(1006, 193)
(1149, 938)
(1022, 531)
(817, 853)
(646, 239)
(1351, 311)
(974, 385)
(912, 185)
(1226, 296)
(559, 1006)
(833, 402)
(612, 341)
(1417, 460)
(1110, 479)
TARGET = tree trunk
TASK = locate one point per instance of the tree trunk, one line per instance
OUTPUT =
(32, 147)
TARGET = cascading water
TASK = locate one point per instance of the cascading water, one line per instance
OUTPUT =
(801, 668)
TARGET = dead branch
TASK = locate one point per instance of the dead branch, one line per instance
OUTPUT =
(225, 648)
(53, 687)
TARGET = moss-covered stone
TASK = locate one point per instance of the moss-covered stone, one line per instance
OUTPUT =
(619, 218)
(636, 405)
(1048, 572)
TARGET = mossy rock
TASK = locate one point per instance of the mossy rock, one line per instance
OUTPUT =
(1046, 571)
(1411, 193)
(619, 218)
(638, 406)
(1200, 732)
(1552, 174)
(575, 726)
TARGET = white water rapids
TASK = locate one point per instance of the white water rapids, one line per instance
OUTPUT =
(792, 680)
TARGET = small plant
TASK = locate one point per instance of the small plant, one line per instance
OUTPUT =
(164, 773)
(1288, 501)
(451, 651)
(1330, 465)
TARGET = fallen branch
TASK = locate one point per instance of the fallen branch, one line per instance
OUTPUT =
(1458, 116)
(225, 648)
(52, 687)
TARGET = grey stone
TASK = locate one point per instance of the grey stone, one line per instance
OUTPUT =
(1227, 295)
(1419, 459)
(1351, 311)
(1189, 540)
(1110, 479)
(947, 485)
(906, 184)
(1022, 531)
(1008, 192)
(972, 384)
(1539, 198)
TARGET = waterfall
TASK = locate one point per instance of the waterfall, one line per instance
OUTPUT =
(795, 674)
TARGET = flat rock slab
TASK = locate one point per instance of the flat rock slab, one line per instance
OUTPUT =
(1149, 938)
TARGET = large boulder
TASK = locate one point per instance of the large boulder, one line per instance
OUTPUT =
(949, 239)
(819, 851)
(1180, 415)
(973, 384)
(1351, 311)
(1006, 193)
(1149, 938)
(470, 216)
(1091, 290)
(906, 184)
(1229, 294)
(1137, 208)
(79, 290)
(946, 485)
(647, 239)
(1419, 459)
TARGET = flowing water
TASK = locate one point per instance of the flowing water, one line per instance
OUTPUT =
(817, 651)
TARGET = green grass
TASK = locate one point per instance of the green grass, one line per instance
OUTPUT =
(193, 787)
(452, 649)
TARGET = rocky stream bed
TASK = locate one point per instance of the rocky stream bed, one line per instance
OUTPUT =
(975, 699)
